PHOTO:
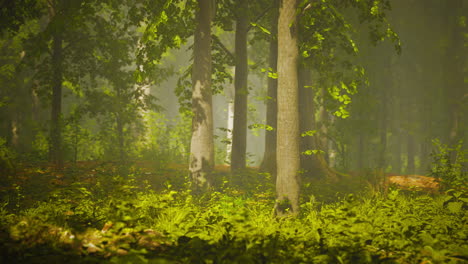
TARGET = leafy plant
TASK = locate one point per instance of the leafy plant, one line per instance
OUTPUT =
(117, 218)
(7, 157)
(166, 139)
(449, 164)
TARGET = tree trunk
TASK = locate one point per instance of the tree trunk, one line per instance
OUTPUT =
(230, 124)
(360, 155)
(454, 77)
(410, 131)
(229, 92)
(120, 137)
(309, 163)
(120, 124)
(239, 133)
(14, 131)
(411, 150)
(288, 160)
(201, 146)
(55, 153)
(383, 121)
(322, 135)
(332, 147)
(269, 157)
(397, 139)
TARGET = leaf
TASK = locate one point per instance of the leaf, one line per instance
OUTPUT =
(426, 239)
(273, 75)
(309, 133)
(261, 28)
(455, 207)
(310, 152)
(261, 126)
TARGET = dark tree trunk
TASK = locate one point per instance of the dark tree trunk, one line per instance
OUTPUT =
(120, 137)
(269, 157)
(55, 153)
(323, 131)
(455, 63)
(383, 122)
(410, 144)
(309, 163)
(398, 140)
(360, 155)
(120, 125)
(410, 169)
(239, 131)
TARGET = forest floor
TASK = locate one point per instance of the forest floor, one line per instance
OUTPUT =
(141, 212)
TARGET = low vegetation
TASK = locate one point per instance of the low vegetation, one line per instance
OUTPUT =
(111, 213)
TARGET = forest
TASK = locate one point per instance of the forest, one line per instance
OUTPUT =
(234, 131)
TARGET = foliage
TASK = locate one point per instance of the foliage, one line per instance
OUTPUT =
(120, 213)
(166, 140)
(106, 217)
(7, 157)
(77, 138)
(40, 147)
(449, 164)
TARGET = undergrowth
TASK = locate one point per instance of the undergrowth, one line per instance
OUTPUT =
(124, 214)
(118, 221)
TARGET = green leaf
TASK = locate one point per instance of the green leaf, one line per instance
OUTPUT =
(273, 75)
(375, 8)
(309, 133)
(261, 28)
(310, 152)
(455, 207)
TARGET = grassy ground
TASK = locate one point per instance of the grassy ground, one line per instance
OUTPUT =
(143, 213)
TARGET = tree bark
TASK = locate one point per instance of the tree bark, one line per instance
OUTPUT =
(269, 157)
(383, 120)
(411, 150)
(397, 138)
(309, 163)
(230, 124)
(361, 155)
(55, 152)
(454, 77)
(322, 135)
(288, 160)
(410, 131)
(202, 147)
(120, 125)
(239, 133)
(315, 165)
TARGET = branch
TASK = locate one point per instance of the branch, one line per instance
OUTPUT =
(259, 17)
(299, 16)
(221, 45)
(308, 6)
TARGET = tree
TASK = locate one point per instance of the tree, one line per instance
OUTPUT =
(170, 27)
(329, 48)
(288, 160)
(68, 47)
(307, 122)
(248, 15)
(202, 146)
(56, 16)
(455, 64)
(17, 14)
(239, 133)
(16, 96)
(269, 156)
